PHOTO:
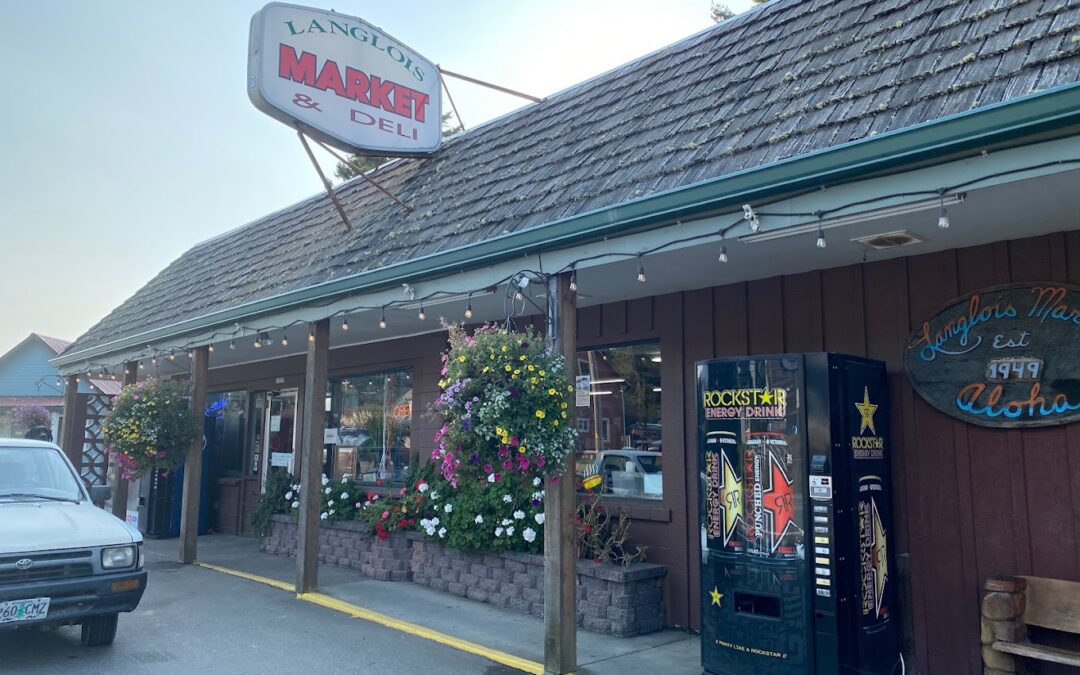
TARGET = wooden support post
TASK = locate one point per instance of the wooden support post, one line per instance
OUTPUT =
(314, 419)
(120, 484)
(69, 440)
(560, 505)
(189, 509)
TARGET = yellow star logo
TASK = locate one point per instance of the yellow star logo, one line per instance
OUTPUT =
(716, 595)
(731, 495)
(766, 397)
(866, 411)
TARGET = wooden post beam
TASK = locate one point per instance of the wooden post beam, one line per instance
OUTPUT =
(189, 509)
(120, 484)
(69, 440)
(560, 506)
(314, 420)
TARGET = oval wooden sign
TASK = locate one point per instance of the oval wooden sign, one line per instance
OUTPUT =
(1006, 356)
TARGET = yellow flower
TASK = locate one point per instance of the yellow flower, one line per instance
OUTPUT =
(552, 392)
(486, 369)
(504, 349)
(516, 371)
(564, 405)
(542, 373)
(540, 414)
(564, 415)
(461, 359)
(508, 368)
(531, 367)
(522, 449)
(556, 422)
(533, 380)
(521, 358)
(570, 388)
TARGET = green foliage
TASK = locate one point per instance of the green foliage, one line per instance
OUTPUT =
(151, 426)
(478, 515)
(271, 501)
(337, 500)
(603, 537)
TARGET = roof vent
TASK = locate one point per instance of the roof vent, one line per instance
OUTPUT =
(886, 240)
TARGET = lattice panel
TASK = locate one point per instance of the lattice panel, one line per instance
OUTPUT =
(95, 464)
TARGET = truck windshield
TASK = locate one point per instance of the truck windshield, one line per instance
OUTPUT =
(36, 473)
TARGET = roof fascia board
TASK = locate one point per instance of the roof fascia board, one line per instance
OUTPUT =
(1008, 122)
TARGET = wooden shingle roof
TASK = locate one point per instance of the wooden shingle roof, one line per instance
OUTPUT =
(780, 81)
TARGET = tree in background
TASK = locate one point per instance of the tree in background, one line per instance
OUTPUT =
(718, 11)
(359, 164)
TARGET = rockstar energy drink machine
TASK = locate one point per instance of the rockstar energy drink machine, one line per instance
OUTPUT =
(797, 572)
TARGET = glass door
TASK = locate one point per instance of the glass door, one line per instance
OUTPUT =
(279, 432)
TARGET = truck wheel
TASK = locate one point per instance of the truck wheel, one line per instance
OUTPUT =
(98, 631)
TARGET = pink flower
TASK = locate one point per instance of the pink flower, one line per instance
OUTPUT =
(385, 515)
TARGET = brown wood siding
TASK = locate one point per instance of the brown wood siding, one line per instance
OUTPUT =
(970, 502)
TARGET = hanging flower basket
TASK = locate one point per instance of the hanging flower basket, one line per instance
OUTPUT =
(506, 428)
(150, 427)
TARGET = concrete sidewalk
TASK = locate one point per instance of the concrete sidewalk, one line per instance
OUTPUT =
(667, 651)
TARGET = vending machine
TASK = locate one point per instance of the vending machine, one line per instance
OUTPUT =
(796, 516)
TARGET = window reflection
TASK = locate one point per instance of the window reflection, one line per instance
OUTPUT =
(370, 426)
(617, 413)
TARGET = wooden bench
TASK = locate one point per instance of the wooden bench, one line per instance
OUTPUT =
(1014, 603)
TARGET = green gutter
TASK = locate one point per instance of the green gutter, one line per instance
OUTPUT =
(994, 126)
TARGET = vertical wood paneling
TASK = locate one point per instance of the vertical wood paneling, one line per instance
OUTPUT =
(589, 323)
(614, 317)
(641, 317)
(669, 313)
(729, 320)
(698, 342)
(843, 319)
(802, 313)
(765, 316)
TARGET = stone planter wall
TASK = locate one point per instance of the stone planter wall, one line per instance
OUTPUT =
(347, 545)
(621, 601)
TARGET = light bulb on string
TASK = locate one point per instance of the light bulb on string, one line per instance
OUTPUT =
(210, 348)
(723, 253)
(421, 315)
(232, 345)
(641, 272)
(821, 238)
(382, 319)
(468, 308)
(153, 359)
(311, 333)
(190, 354)
(573, 281)
(943, 215)
(172, 356)
(257, 342)
(284, 338)
(345, 324)
(141, 365)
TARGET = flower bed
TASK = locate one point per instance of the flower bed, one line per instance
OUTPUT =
(614, 599)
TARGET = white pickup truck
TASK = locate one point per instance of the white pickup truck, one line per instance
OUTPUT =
(63, 561)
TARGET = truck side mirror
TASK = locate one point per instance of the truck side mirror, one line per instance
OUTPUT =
(99, 493)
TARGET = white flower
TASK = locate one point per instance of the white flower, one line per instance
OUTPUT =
(537, 481)
(442, 532)
(325, 480)
(538, 496)
(529, 534)
(288, 495)
(519, 514)
(448, 508)
(491, 478)
(296, 487)
(423, 487)
(434, 521)
(330, 503)
(479, 519)
(359, 505)
(333, 511)
(506, 521)
(344, 495)
(539, 518)
(322, 516)
(510, 530)
(344, 478)
(296, 505)
(366, 504)
(434, 495)
(498, 531)
(507, 498)
(327, 490)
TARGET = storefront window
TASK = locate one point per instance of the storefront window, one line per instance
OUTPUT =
(223, 429)
(368, 435)
(617, 413)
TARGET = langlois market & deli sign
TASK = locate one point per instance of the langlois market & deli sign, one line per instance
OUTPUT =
(1007, 356)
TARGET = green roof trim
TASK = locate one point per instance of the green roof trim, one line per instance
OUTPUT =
(1012, 122)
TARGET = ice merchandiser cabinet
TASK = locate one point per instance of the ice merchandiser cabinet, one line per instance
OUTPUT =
(796, 516)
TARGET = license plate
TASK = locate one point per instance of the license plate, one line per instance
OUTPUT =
(24, 610)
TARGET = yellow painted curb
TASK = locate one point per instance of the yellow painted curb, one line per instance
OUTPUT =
(358, 612)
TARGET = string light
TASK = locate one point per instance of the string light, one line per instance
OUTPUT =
(748, 214)
(311, 333)
(172, 356)
(723, 253)
(210, 348)
(284, 338)
(153, 360)
(821, 238)
(257, 342)
(573, 281)
(141, 365)
(641, 270)
(232, 345)
(468, 308)
(382, 319)
(345, 324)
(190, 354)
(421, 315)
(943, 215)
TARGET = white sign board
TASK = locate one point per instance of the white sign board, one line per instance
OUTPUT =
(582, 388)
(343, 81)
(280, 459)
(330, 437)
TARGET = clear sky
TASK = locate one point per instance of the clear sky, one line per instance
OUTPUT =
(128, 135)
